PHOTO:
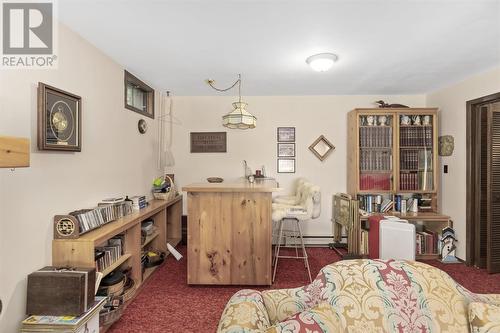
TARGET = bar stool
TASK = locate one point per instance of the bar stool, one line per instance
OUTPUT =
(308, 208)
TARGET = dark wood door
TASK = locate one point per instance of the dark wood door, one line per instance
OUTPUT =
(493, 204)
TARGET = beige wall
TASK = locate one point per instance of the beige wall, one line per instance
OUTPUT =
(310, 115)
(115, 159)
(452, 103)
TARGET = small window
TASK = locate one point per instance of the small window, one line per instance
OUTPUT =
(139, 97)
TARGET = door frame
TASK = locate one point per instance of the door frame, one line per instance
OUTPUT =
(472, 179)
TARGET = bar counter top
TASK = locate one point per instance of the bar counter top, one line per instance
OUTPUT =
(238, 185)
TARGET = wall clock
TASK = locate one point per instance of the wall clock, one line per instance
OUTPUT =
(142, 126)
(59, 119)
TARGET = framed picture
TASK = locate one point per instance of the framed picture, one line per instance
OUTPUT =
(286, 149)
(208, 142)
(286, 165)
(286, 134)
(59, 119)
(321, 147)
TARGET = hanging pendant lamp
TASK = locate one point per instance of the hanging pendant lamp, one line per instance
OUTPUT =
(239, 118)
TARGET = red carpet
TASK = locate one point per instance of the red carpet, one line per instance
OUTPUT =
(168, 304)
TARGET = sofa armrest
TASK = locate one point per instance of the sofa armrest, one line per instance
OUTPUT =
(492, 298)
(245, 312)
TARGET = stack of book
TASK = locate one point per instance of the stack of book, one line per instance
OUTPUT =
(375, 203)
(375, 136)
(375, 160)
(415, 136)
(427, 242)
(105, 256)
(138, 202)
(88, 321)
(93, 218)
(375, 181)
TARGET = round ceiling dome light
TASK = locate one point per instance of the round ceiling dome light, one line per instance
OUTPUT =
(322, 62)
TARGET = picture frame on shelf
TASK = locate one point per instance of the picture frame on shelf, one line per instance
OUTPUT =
(286, 134)
(59, 119)
(286, 149)
(286, 165)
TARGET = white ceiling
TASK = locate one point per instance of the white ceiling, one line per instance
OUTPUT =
(384, 46)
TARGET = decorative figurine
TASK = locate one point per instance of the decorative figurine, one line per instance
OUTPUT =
(416, 120)
(405, 120)
(382, 104)
(370, 120)
(426, 120)
(448, 247)
(382, 120)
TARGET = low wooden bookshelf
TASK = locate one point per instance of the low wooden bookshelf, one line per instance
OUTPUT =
(167, 217)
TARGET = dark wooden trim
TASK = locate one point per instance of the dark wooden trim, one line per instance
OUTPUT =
(472, 165)
(42, 118)
(129, 77)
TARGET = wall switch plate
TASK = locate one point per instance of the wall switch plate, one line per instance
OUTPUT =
(445, 168)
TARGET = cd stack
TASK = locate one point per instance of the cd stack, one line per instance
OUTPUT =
(138, 202)
(93, 218)
(106, 255)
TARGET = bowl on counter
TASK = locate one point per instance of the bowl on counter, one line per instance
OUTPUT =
(215, 180)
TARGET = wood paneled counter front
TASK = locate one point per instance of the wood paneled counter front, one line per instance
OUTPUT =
(229, 232)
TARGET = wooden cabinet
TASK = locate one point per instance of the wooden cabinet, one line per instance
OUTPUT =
(393, 160)
(229, 233)
(79, 252)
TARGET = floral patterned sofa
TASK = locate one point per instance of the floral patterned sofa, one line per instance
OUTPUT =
(365, 296)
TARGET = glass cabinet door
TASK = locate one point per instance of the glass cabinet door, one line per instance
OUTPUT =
(375, 155)
(416, 153)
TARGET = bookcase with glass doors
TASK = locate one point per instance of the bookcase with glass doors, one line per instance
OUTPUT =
(393, 168)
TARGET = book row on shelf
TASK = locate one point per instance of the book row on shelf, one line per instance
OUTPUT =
(377, 136)
(89, 219)
(376, 160)
(397, 203)
(412, 136)
(416, 180)
(426, 242)
(375, 181)
(108, 254)
(416, 159)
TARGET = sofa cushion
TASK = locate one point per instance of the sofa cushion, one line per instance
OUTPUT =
(320, 319)
(484, 317)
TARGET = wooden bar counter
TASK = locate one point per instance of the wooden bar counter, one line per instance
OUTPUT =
(230, 232)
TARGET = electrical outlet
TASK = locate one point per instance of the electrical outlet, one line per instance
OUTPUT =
(445, 168)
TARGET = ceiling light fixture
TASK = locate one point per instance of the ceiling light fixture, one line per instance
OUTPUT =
(322, 62)
(238, 118)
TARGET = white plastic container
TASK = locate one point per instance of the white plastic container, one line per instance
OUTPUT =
(397, 239)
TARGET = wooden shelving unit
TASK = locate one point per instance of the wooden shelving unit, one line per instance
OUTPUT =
(167, 217)
(389, 157)
(116, 264)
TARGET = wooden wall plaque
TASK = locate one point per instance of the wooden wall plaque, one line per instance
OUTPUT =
(208, 142)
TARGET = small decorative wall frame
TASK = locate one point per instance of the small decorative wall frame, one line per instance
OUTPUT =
(286, 165)
(208, 142)
(446, 145)
(59, 119)
(286, 149)
(286, 134)
(321, 147)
